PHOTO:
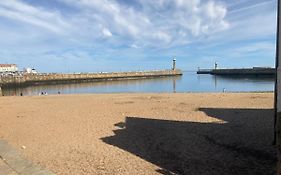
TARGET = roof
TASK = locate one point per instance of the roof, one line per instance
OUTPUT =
(7, 65)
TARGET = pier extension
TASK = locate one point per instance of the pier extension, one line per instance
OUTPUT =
(255, 71)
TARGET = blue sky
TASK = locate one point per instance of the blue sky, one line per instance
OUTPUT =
(123, 35)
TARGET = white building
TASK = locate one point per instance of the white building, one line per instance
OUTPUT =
(8, 68)
(30, 71)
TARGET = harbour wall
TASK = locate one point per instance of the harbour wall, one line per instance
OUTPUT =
(237, 72)
(57, 78)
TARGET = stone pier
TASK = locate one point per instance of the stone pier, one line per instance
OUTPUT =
(55, 78)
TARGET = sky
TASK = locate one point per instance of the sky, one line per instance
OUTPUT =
(133, 35)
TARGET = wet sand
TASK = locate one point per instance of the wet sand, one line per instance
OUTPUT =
(182, 133)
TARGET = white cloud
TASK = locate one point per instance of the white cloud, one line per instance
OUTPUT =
(154, 23)
(254, 48)
(250, 7)
(135, 46)
(162, 36)
(23, 12)
(158, 23)
(251, 27)
(106, 32)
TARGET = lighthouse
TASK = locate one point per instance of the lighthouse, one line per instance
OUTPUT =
(174, 64)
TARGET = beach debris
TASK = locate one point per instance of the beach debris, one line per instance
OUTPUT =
(23, 147)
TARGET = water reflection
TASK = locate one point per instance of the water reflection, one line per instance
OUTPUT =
(174, 85)
(240, 83)
(189, 82)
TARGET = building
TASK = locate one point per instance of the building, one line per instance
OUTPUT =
(30, 71)
(8, 68)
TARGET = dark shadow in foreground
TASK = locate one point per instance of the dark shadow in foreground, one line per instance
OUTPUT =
(240, 145)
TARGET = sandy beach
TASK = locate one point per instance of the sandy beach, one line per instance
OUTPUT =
(181, 133)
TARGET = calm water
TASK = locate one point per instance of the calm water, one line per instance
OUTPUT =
(189, 82)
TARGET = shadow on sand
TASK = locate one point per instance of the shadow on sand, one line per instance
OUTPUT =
(240, 145)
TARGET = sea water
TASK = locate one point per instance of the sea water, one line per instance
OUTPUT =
(189, 82)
